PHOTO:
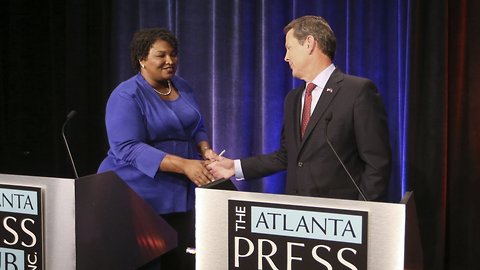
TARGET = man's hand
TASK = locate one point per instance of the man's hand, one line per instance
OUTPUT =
(221, 167)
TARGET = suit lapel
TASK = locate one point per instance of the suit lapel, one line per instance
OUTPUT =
(297, 113)
(331, 89)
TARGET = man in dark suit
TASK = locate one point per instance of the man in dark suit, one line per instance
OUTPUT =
(351, 108)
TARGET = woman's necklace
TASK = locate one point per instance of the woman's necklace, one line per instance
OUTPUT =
(167, 93)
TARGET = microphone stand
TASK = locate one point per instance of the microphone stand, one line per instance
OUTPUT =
(327, 121)
(69, 116)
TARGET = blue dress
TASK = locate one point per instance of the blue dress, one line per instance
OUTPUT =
(142, 128)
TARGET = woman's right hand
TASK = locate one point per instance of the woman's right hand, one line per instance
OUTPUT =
(195, 170)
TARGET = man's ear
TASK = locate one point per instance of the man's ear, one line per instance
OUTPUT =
(311, 43)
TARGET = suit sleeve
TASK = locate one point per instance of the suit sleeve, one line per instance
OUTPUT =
(267, 164)
(264, 165)
(371, 134)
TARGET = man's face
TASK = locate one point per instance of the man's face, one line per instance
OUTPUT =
(296, 55)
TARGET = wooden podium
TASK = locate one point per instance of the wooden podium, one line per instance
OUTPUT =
(244, 230)
(93, 222)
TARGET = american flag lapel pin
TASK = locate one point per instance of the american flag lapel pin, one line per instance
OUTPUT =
(330, 90)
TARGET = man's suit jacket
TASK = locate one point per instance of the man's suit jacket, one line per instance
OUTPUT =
(358, 131)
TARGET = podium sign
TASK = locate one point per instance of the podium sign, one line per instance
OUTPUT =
(244, 230)
(282, 236)
(93, 222)
(21, 243)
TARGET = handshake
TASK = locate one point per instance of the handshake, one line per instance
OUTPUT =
(219, 167)
(200, 172)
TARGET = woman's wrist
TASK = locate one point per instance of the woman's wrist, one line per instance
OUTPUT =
(172, 163)
(204, 147)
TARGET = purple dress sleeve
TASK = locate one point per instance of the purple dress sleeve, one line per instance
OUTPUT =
(127, 134)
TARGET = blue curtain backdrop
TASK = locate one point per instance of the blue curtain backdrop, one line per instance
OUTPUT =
(232, 53)
(58, 55)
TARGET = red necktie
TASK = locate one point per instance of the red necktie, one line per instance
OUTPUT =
(307, 106)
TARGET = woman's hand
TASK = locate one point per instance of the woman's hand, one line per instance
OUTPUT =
(206, 151)
(195, 170)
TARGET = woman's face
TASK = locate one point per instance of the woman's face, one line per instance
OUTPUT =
(161, 62)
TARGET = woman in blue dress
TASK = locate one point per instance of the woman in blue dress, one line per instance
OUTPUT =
(156, 136)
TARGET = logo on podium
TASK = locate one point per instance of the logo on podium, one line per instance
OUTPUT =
(277, 236)
(21, 243)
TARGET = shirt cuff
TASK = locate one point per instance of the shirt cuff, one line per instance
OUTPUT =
(238, 170)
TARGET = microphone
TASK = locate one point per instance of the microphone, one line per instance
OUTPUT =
(70, 115)
(328, 118)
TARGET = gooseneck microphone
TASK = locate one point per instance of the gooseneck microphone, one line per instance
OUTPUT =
(70, 115)
(328, 118)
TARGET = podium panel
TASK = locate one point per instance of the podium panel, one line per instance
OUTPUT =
(266, 219)
(58, 217)
(94, 222)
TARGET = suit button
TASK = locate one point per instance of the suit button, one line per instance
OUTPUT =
(300, 164)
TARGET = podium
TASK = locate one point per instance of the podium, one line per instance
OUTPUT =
(245, 230)
(93, 222)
